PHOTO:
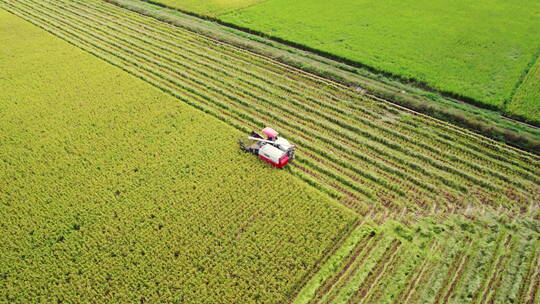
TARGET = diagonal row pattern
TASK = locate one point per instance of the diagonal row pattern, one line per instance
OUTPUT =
(367, 153)
(486, 264)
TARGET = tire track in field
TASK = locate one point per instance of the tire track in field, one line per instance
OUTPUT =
(375, 274)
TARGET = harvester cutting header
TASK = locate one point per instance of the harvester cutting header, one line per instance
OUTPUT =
(275, 150)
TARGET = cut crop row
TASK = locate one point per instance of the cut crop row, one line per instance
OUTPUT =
(483, 262)
(375, 157)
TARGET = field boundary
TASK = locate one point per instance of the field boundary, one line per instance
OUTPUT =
(352, 63)
(498, 129)
(332, 82)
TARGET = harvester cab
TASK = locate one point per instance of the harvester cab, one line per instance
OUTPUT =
(273, 149)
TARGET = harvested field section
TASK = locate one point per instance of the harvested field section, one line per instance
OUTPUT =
(457, 260)
(367, 153)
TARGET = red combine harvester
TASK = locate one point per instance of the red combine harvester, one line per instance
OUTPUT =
(275, 150)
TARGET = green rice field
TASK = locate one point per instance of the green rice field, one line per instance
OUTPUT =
(210, 7)
(526, 101)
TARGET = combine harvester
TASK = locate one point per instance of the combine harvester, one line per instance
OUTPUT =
(275, 150)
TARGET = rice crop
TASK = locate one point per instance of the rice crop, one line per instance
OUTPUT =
(113, 191)
(525, 103)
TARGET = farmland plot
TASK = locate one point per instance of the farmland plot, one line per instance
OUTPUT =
(371, 155)
(112, 191)
(480, 260)
(97, 207)
(210, 7)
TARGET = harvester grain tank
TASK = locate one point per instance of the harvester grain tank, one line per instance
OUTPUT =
(273, 149)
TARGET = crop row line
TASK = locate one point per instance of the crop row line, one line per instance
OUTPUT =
(340, 135)
(386, 169)
(175, 28)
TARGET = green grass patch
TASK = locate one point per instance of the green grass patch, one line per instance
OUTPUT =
(212, 8)
(526, 101)
(112, 191)
(458, 47)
